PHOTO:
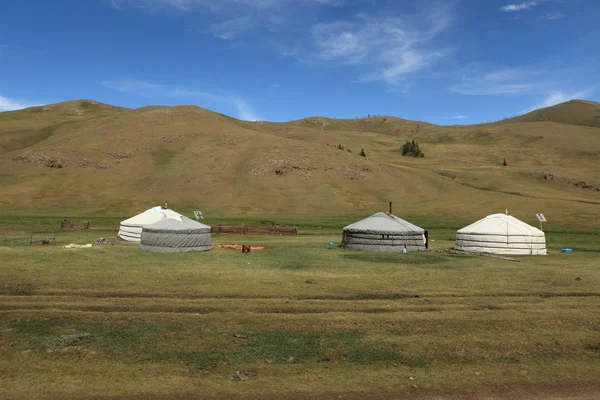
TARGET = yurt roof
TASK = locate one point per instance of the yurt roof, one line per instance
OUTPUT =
(151, 216)
(173, 225)
(501, 224)
(383, 223)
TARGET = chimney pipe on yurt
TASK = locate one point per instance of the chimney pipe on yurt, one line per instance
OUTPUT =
(390, 210)
(506, 212)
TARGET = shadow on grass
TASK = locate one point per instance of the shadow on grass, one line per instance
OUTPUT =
(299, 266)
(148, 342)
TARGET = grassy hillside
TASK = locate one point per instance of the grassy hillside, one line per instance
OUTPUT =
(84, 157)
(574, 112)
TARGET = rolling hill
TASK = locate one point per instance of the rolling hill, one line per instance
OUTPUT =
(574, 112)
(85, 157)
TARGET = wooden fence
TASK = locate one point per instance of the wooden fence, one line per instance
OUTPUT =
(74, 224)
(248, 230)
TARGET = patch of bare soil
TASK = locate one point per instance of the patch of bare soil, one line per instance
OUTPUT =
(39, 158)
(278, 162)
(319, 121)
(568, 181)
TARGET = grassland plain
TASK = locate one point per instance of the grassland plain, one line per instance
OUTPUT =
(113, 322)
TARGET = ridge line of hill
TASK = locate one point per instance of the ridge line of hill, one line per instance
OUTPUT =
(573, 112)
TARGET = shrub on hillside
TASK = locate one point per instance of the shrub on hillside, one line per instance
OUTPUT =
(412, 149)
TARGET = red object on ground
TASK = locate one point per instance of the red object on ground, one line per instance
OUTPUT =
(239, 247)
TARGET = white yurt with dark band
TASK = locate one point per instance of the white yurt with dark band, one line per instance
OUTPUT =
(176, 236)
(501, 234)
(131, 229)
(383, 232)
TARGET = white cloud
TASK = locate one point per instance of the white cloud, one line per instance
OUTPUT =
(504, 81)
(553, 16)
(519, 6)
(8, 104)
(233, 27)
(133, 86)
(231, 18)
(556, 97)
(150, 89)
(217, 5)
(459, 117)
(245, 112)
(387, 47)
(393, 46)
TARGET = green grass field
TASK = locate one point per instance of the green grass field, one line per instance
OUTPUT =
(113, 322)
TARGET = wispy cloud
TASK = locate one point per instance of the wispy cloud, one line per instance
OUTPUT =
(503, 81)
(244, 111)
(133, 86)
(459, 117)
(217, 5)
(233, 27)
(557, 96)
(155, 90)
(553, 16)
(10, 104)
(233, 17)
(393, 46)
(149, 89)
(383, 47)
(518, 6)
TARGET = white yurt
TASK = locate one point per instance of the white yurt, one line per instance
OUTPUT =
(501, 234)
(176, 236)
(383, 232)
(131, 229)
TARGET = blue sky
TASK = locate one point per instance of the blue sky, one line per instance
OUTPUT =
(446, 62)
